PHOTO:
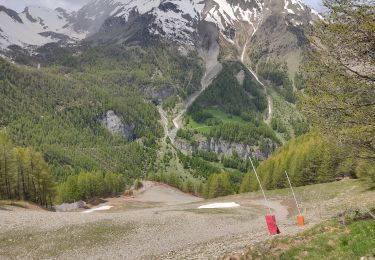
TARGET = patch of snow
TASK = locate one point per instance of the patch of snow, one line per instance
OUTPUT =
(220, 205)
(296, 23)
(176, 25)
(226, 15)
(313, 11)
(295, 4)
(98, 209)
(41, 20)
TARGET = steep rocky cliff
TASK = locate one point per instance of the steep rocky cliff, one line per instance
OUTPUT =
(222, 147)
(115, 125)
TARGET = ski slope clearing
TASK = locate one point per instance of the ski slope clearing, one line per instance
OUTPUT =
(159, 222)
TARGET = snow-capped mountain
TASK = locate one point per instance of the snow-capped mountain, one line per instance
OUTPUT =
(174, 20)
(36, 26)
(178, 20)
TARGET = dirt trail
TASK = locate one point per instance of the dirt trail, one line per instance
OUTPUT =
(161, 193)
(160, 222)
(164, 123)
(167, 225)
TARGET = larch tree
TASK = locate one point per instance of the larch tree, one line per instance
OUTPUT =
(339, 96)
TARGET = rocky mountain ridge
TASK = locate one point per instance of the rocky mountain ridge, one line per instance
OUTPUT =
(224, 148)
(173, 20)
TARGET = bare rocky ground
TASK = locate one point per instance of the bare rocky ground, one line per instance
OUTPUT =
(160, 222)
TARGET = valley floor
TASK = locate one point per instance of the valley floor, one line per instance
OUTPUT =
(160, 222)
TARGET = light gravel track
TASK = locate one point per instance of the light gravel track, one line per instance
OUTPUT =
(161, 222)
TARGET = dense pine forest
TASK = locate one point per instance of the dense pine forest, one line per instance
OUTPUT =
(61, 118)
(24, 175)
(308, 159)
(58, 109)
(232, 108)
(230, 95)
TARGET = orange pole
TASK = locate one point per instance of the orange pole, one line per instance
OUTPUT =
(300, 218)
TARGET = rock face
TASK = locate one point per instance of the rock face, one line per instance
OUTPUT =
(221, 147)
(115, 125)
(70, 206)
(157, 95)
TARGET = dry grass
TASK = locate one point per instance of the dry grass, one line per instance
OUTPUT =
(36, 244)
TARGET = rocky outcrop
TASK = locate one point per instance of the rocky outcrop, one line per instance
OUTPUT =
(159, 93)
(70, 206)
(115, 125)
(221, 147)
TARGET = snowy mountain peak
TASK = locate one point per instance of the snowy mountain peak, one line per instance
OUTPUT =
(174, 20)
(36, 26)
(291, 5)
(10, 13)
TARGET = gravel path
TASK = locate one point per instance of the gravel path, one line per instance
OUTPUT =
(170, 222)
(158, 223)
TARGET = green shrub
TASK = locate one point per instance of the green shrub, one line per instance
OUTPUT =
(137, 184)
(89, 185)
(218, 185)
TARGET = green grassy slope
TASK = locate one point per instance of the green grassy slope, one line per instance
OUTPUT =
(330, 240)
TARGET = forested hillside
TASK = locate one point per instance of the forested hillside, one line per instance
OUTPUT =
(232, 93)
(24, 175)
(232, 108)
(61, 118)
(58, 109)
(308, 159)
(157, 71)
(276, 73)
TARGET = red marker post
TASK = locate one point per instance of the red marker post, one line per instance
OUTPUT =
(273, 229)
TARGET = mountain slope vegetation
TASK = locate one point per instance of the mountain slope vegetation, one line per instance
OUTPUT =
(232, 108)
(61, 118)
(308, 159)
(340, 79)
(59, 108)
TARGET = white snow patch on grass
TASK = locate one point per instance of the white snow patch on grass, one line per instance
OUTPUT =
(98, 209)
(219, 205)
